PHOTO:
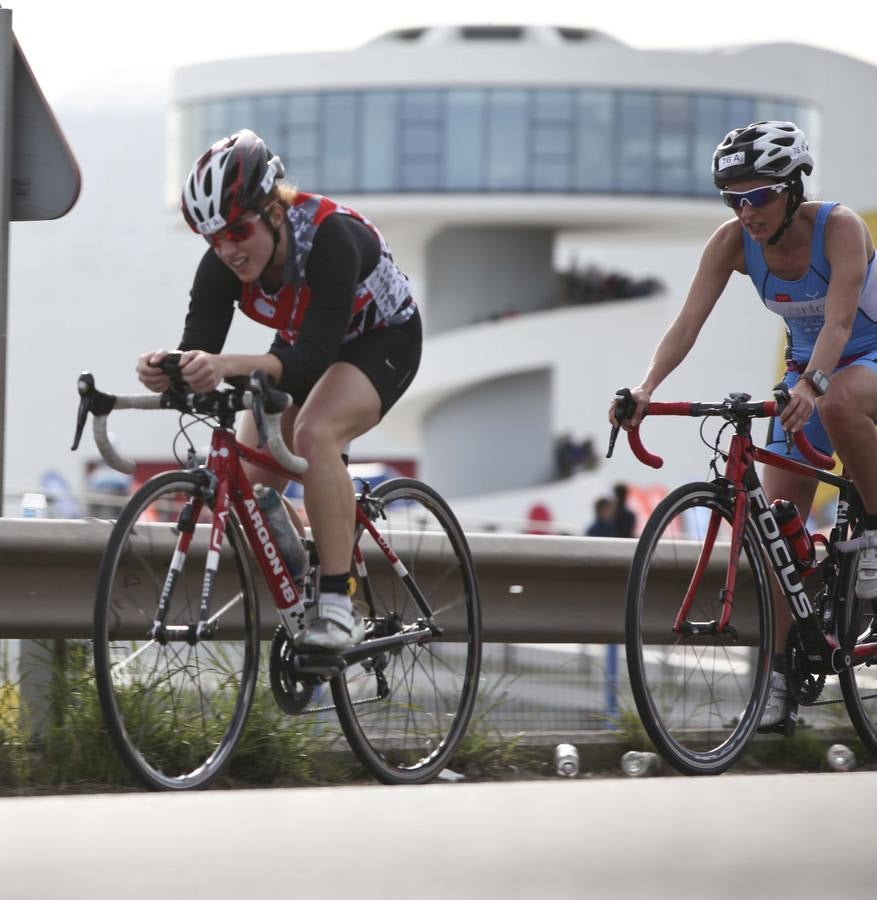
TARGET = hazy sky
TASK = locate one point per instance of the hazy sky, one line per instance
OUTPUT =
(71, 45)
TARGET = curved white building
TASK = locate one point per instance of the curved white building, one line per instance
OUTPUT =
(494, 156)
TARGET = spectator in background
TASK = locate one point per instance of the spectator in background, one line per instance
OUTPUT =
(625, 520)
(604, 519)
(539, 519)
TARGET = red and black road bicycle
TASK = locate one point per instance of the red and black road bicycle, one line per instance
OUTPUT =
(699, 617)
(178, 627)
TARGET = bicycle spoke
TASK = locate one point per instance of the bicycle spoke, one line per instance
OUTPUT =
(174, 709)
(697, 694)
(412, 733)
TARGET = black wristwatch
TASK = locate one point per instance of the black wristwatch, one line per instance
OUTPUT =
(819, 381)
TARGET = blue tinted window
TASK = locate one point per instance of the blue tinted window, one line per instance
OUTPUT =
(507, 140)
(268, 120)
(465, 140)
(636, 141)
(593, 166)
(741, 111)
(215, 122)
(339, 142)
(710, 127)
(379, 141)
(240, 113)
(421, 140)
(420, 175)
(673, 143)
(555, 106)
(299, 139)
(419, 106)
(489, 139)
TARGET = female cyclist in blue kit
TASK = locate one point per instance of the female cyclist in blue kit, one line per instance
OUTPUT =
(811, 263)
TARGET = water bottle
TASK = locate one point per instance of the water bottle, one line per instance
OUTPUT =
(566, 760)
(792, 528)
(841, 758)
(635, 764)
(34, 506)
(288, 542)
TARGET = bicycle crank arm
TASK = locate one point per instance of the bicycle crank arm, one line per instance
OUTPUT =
(379, 645)
(326, 665)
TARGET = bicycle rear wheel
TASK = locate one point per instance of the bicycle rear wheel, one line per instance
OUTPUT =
(405, 711)
(859, 685)
(699, 696)
(175, 710)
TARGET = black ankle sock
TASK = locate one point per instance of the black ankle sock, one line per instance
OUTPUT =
(779, 663)
(334, 584)
(870, 521)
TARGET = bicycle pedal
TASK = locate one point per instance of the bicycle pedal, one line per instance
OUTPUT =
(326, 664)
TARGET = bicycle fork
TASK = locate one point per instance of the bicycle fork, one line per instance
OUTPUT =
(205, 626)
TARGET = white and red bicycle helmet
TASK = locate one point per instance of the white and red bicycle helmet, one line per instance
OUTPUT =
(233, 177)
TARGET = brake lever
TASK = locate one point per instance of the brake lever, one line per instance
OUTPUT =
(85, 386)
(624, 400)
(257, 408)
(781, 395)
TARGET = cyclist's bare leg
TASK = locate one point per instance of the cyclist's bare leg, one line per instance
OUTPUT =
(342, 405)
(848, 411)
(779, 484)
(248, 435)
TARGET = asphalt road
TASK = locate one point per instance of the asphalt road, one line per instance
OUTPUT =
(772, 836)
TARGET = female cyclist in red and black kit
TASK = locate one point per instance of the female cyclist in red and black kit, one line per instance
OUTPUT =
(347, 342)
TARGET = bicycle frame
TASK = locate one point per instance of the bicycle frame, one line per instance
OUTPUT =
(746, 494)
(232, 489)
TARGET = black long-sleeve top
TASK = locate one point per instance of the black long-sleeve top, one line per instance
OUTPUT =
(344, 253)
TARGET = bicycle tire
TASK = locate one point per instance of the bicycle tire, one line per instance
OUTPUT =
(700, 697)
(859, 685)
(411, 734)
(175, 711)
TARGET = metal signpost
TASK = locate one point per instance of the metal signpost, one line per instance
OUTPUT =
(39, 178)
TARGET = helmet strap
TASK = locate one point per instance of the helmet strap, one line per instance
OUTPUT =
(275, 234)
(794, 197)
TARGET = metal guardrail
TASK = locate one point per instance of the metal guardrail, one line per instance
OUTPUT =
(538, 589)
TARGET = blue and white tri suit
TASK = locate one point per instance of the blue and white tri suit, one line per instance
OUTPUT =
(801, 303)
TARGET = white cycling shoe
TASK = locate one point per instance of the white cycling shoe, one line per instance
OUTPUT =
(338, 625)
(776, 709)
(866, 583)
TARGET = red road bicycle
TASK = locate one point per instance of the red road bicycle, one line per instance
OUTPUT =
(177, 625)
(699, 619)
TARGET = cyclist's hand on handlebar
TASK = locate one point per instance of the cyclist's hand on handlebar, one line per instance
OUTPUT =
(202, 371)
(802, 402)
(642, 398)
(149, 373)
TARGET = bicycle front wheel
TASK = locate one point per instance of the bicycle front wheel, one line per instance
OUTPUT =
(859, 685)
(699, 695)
(175, 709)
(404, 711)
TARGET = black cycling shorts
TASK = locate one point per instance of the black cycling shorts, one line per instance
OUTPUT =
(389, 357)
